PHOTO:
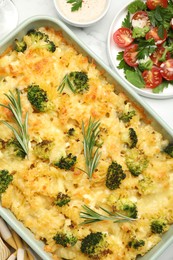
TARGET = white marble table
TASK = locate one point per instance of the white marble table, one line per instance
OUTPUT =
(95, 37)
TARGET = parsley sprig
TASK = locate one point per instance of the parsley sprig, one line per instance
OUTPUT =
(135, 78)
(92, 216)
(122, 64)
(136, 5)
(160, 17)
(145, 48)
(162, 86)
(127, 22)
(76, 4)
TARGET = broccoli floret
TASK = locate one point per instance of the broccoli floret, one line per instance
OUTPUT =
(71, 132)
(5, 179)
(64, 239)
(115, 175)
(169, 149)
(136, 161)
(41, 40)
(130, 138)
(79, 81)
(20, 46)
(146, 186)
(42, 150)
(76, 81)
(36, 36)
(167, 49)
(38, 98)
(51, 46)
(126, 117)
(158, 226)
(48, 45)
(66, 162)
(95, 245)
(133, 139)
(16, 148)
(123, 205)
(127, 207)
(62, 199)
(135, 243)
(140, 32)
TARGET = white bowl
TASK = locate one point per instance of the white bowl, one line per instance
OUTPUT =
(85, 23)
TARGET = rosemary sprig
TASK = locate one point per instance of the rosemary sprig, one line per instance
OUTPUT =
(66, 82)
(21, 131)
(90, 136)
(92, 216)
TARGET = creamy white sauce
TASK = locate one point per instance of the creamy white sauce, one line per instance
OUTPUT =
(90, 10)
(141, 23)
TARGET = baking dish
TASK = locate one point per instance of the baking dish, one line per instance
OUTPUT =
(158, 124)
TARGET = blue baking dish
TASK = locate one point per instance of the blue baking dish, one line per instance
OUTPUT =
(121, 86)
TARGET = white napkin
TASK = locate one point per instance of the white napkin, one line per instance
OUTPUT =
(11, 245)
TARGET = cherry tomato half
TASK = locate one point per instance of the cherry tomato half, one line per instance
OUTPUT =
(155, 57)
(152, 4)
(140, 19)
(152, 77)
(130, 55)
(166, 69)
(123, 37)
(153, 34)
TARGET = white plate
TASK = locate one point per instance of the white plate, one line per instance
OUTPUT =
(113, 50)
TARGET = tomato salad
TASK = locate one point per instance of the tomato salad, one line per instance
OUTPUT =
(146, 40)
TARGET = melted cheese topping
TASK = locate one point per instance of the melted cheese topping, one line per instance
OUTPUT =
(36, 182)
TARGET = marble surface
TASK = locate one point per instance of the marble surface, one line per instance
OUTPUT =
(96, 38)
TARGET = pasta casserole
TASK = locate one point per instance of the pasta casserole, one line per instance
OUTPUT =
(80, 164)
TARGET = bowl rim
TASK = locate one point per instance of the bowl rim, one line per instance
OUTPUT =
(81, 24)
